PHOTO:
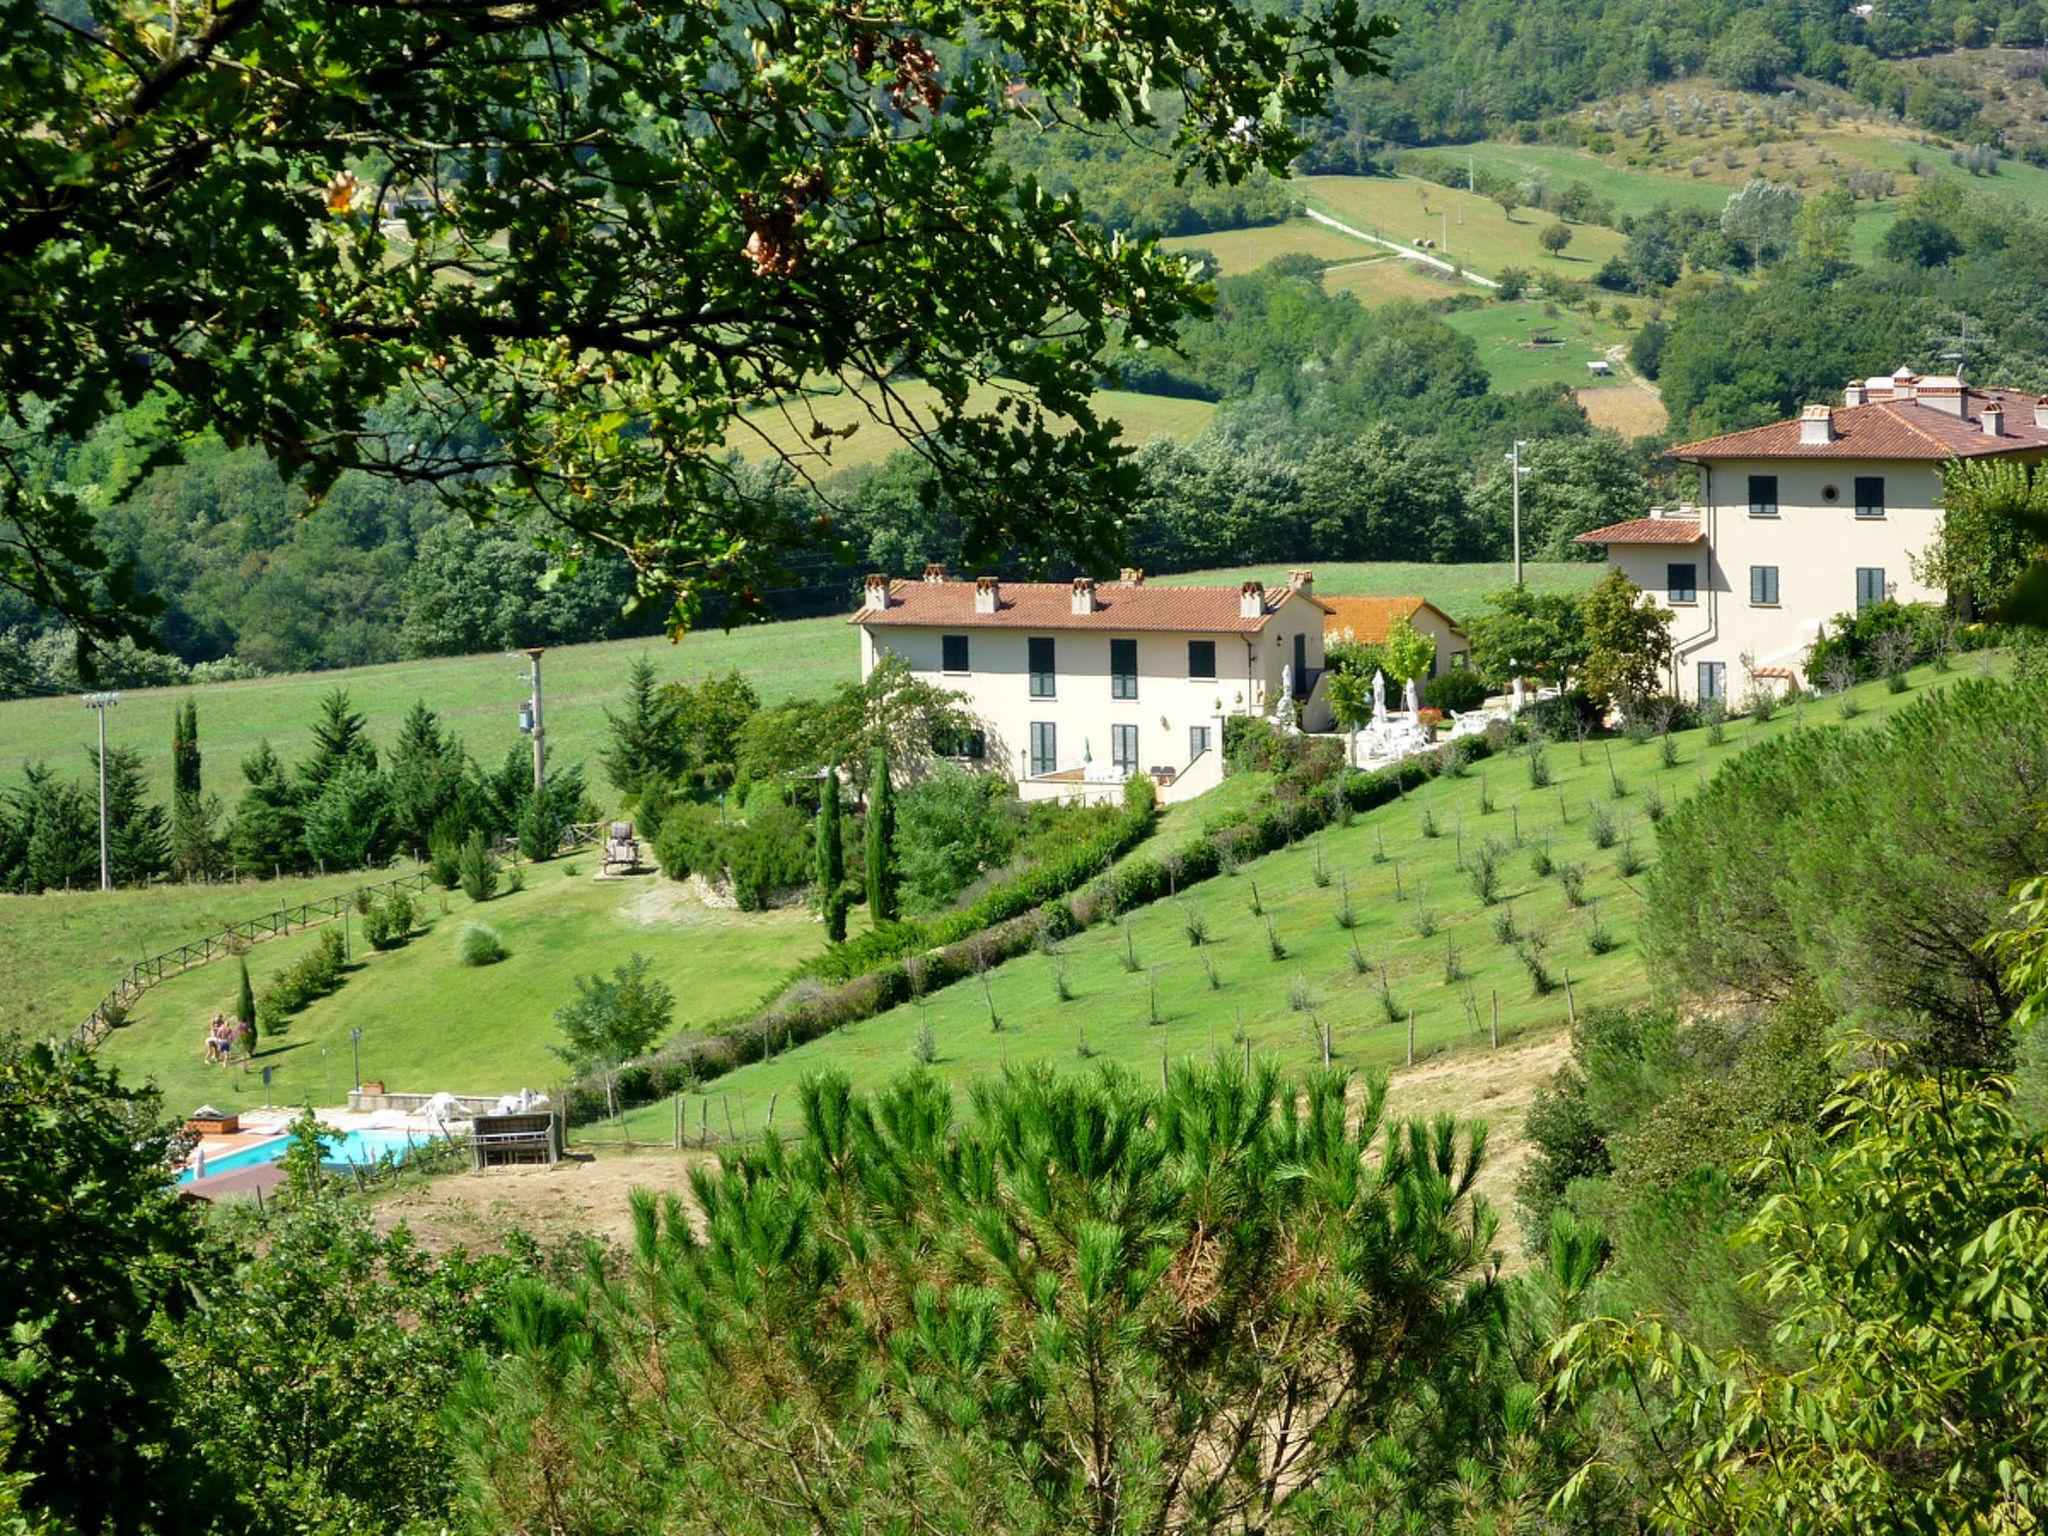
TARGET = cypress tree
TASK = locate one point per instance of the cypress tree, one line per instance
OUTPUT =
(831, 860)
(245, 1005)
(646, 750)
(881, 843)
(185, 749)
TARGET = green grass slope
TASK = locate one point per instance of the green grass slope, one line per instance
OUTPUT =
(431, 1023)
(479, 696)
(808, 431)
(1471, 231)
(1449, 974)
(1506, 337)
(62, 952)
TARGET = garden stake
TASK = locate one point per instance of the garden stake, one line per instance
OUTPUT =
(1411, 1038)
(1496, 1018)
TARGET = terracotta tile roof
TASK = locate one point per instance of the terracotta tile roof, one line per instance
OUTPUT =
(1888, 429)
(1645, 530)
(1371, 619)
(1049, 605)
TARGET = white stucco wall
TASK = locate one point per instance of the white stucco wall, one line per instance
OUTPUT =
(996, 685)
(1817, 543)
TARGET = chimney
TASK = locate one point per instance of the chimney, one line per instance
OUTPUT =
(2041, 411)
(1902, 383)
(1084, 594)
(1993, 419)
(1303, 582)
(987, 592)
(1856, 394)
(1251, 600)
(877, 592)
(1943, 392)
(1131, 576)
(934, 574)
(1816, 425)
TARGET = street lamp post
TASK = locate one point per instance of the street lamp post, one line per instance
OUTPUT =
(355, 1040)
(99, 704)
(1516, 471)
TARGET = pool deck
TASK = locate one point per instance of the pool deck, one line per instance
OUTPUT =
(264, 1125)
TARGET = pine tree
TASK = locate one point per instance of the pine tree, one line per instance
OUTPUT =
(647, 748)
(269, 829)
(881, 845)
(427, 773)
(340, 737)
(138, 832)
(831, 860)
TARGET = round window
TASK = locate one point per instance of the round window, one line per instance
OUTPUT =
(1830, 493)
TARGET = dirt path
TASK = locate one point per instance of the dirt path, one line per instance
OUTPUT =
(1406, 253)
(586, 1196)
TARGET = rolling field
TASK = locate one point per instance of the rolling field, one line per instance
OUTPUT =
(1423, 939)
(478, 696)
(1504, 334)
(1383, 279)
(1630, 190)
(1404, 209)
(1246, 250)
(873, 437)
(63, 951)
(431, 1023)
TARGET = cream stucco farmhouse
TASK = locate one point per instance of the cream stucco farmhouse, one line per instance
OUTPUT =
(1805, 519)
(1080, 684)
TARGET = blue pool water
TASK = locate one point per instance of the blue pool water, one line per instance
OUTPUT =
(346, 1147)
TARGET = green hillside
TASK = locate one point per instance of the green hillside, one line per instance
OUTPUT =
(479, 696)
(794, 432)
(1524, 344)
(1423, 939)
(1468, 230)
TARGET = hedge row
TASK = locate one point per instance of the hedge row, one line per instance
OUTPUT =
(1316, 793)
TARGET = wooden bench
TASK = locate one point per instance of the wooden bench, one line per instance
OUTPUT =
(516, 1137)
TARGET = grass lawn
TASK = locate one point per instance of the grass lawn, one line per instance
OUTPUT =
(1246, 250)
(1449, 975)
(431, 1023)
(1383, 279)
(1629, 189)
(873, 438)
(478, 696)
(1505, 335)
(1405, 209)
(62, 952)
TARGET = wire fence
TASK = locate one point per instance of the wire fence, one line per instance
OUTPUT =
(234, 939)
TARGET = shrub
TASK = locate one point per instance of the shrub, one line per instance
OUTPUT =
(1628, 863)
(950, 828)
(1599, 940)
(1274, 947)
(1482, 867)
(1456, 691)
(1653, 805)
(1667, 750)
(1539, 769)
(1530, 952)
(1504, 926)
(1193, 924)
(478, 867)
(313, 975)
(924, 1049)
(1601, 825)
(444, 851)
(1573, 878)
(480, 945)
(1715, 714)
(1540, 862)
(389, 922)
(1425, 922)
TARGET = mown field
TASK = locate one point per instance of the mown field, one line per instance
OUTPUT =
(1506, 335)
(1469, 230)
(1383, 279)
(1287, 973)
(431, 1023)
(62, 952)
(871, 425)
(1246, 250)
(479, 696)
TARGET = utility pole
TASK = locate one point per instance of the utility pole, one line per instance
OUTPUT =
(1515, 472)
(100, 703)
(532, 723)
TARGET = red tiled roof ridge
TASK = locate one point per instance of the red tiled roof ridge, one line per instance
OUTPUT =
(1645, 530)
(1888, 429)
(1195, 608)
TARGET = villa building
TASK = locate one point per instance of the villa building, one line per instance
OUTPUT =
(1080, 684)
(1807, 519)
(1369, 620)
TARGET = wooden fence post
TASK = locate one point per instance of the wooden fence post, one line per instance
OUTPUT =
(771, 1109)
(676, 1104)
(1496, 1018)
(1411, 1037)
(1570, 1002)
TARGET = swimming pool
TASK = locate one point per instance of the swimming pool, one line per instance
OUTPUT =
(346, 1147)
